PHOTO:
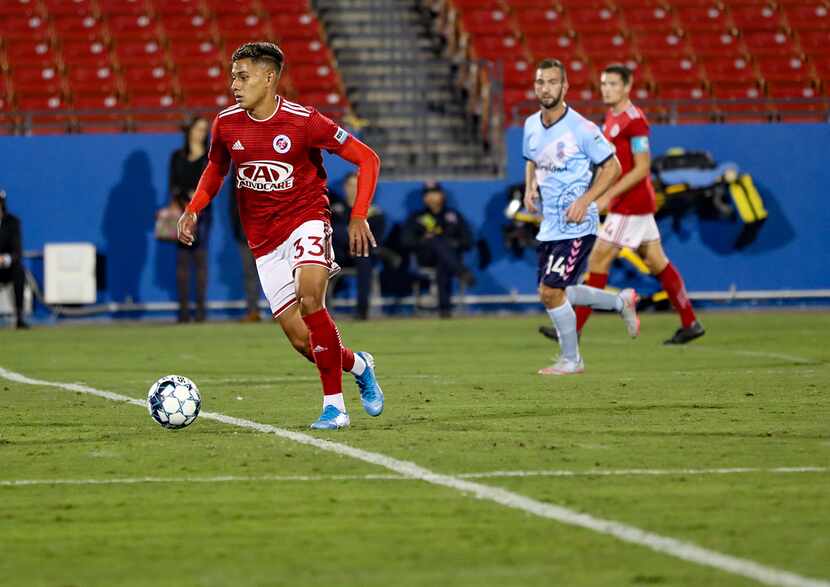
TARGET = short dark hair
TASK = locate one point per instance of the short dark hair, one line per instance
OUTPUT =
(621, 70)
(261, 51)
(551, 63)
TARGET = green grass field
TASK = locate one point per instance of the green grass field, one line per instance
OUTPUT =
(462, 397)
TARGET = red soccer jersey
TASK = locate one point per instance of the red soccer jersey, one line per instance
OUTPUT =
(621, 129)
(280, 178)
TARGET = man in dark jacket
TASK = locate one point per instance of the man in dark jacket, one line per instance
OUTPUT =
(11, 257)
(439, 236)
(341, 210)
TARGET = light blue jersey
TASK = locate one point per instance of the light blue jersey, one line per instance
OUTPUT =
(565, 155)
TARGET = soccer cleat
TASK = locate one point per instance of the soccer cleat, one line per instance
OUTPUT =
(629, 312)
(371, 395)
(564, 366)
(331, 419)
(684, 335)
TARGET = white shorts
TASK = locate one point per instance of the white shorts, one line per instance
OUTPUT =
(309, 244)
(629, 230)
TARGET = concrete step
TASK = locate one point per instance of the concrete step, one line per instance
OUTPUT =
(413, 70)
(393, 122)
(397, 96)
(390, 42)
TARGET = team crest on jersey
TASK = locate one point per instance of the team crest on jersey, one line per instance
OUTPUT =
(615, 130)
(265, 176)
(282, 144)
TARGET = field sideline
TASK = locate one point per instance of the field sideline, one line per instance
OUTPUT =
(723, 445)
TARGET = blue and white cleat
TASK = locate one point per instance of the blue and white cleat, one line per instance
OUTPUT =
(331, 419)
(370, 393)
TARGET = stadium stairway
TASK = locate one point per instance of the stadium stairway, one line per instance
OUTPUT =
(398, 80)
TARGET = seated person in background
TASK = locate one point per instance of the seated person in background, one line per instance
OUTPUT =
(439, 236)
(341, 210)
(11, 258)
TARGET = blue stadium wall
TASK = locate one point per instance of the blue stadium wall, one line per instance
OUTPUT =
(106, 190)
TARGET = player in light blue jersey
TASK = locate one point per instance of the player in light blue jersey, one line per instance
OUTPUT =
(569, 165)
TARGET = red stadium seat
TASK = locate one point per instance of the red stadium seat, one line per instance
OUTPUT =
(591, 4)
(674, 70)
(757, 16)
(45, 113)
(311, 51)
(208, 77)
(740, 102)
(314, 77)
(207, 99)
(85, 53)
(17, 8)
(532, 4)
(30, 53)
(738, 69)
(237, 7)
(32, 28)
(165, 8)
(814, 41)
(533, 21)
(518, 74)
(661, 44)
(191, 50)
(86, 27)
(715, 44)
(797, 102)
(498, 47)
(39, 80)
(809, 15)
(602, 43)
(252, 25)
(702, 18)
(97, 79)
(58, 8)
(648, 18)
(579, 73)
(600, 19)
(148, 79)
(157, 112)
(784, 68)
(104, 113)
(464, 5)
(296, 25)
(524, 101)
(487, 22)
(768, 42)
(142, 52)
(561, 47)
(179, 26)
(112, 8)
(274, 7)
(324, 101)
(690, 90)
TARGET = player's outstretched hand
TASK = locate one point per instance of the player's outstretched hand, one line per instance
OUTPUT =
(361, 239)
(576, 211)
(187, 228)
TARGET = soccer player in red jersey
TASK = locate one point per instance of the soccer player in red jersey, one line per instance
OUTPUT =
(631, 204)
(283, 205)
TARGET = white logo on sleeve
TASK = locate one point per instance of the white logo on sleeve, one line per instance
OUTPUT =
(341, 135)
(282, 144)
(265, 176)
(237, 146)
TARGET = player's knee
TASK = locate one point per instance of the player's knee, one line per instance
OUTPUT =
(656, 263)
(551, 297)
(311, 302)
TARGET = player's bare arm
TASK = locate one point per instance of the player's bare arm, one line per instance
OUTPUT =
(531, 187)
(642, 167)
(607, 173)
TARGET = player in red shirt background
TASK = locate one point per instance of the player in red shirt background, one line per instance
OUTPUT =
(631, 205)
(283, 205)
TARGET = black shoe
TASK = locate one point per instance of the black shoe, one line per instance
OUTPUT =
(550, 332)
(684, 335)
(467, 278)
(21, 325)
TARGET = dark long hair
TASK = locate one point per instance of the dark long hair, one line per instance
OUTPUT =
(186, 128)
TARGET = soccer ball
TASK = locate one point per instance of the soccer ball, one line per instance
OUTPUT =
(174, 401)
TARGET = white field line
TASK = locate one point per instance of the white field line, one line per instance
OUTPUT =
(720, 350)
(631, 534)
(483, 475)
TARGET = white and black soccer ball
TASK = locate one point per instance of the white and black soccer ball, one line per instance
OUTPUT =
(174, 401)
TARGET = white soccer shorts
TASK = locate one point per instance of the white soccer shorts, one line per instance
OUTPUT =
(629, 230)
(309, 244)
